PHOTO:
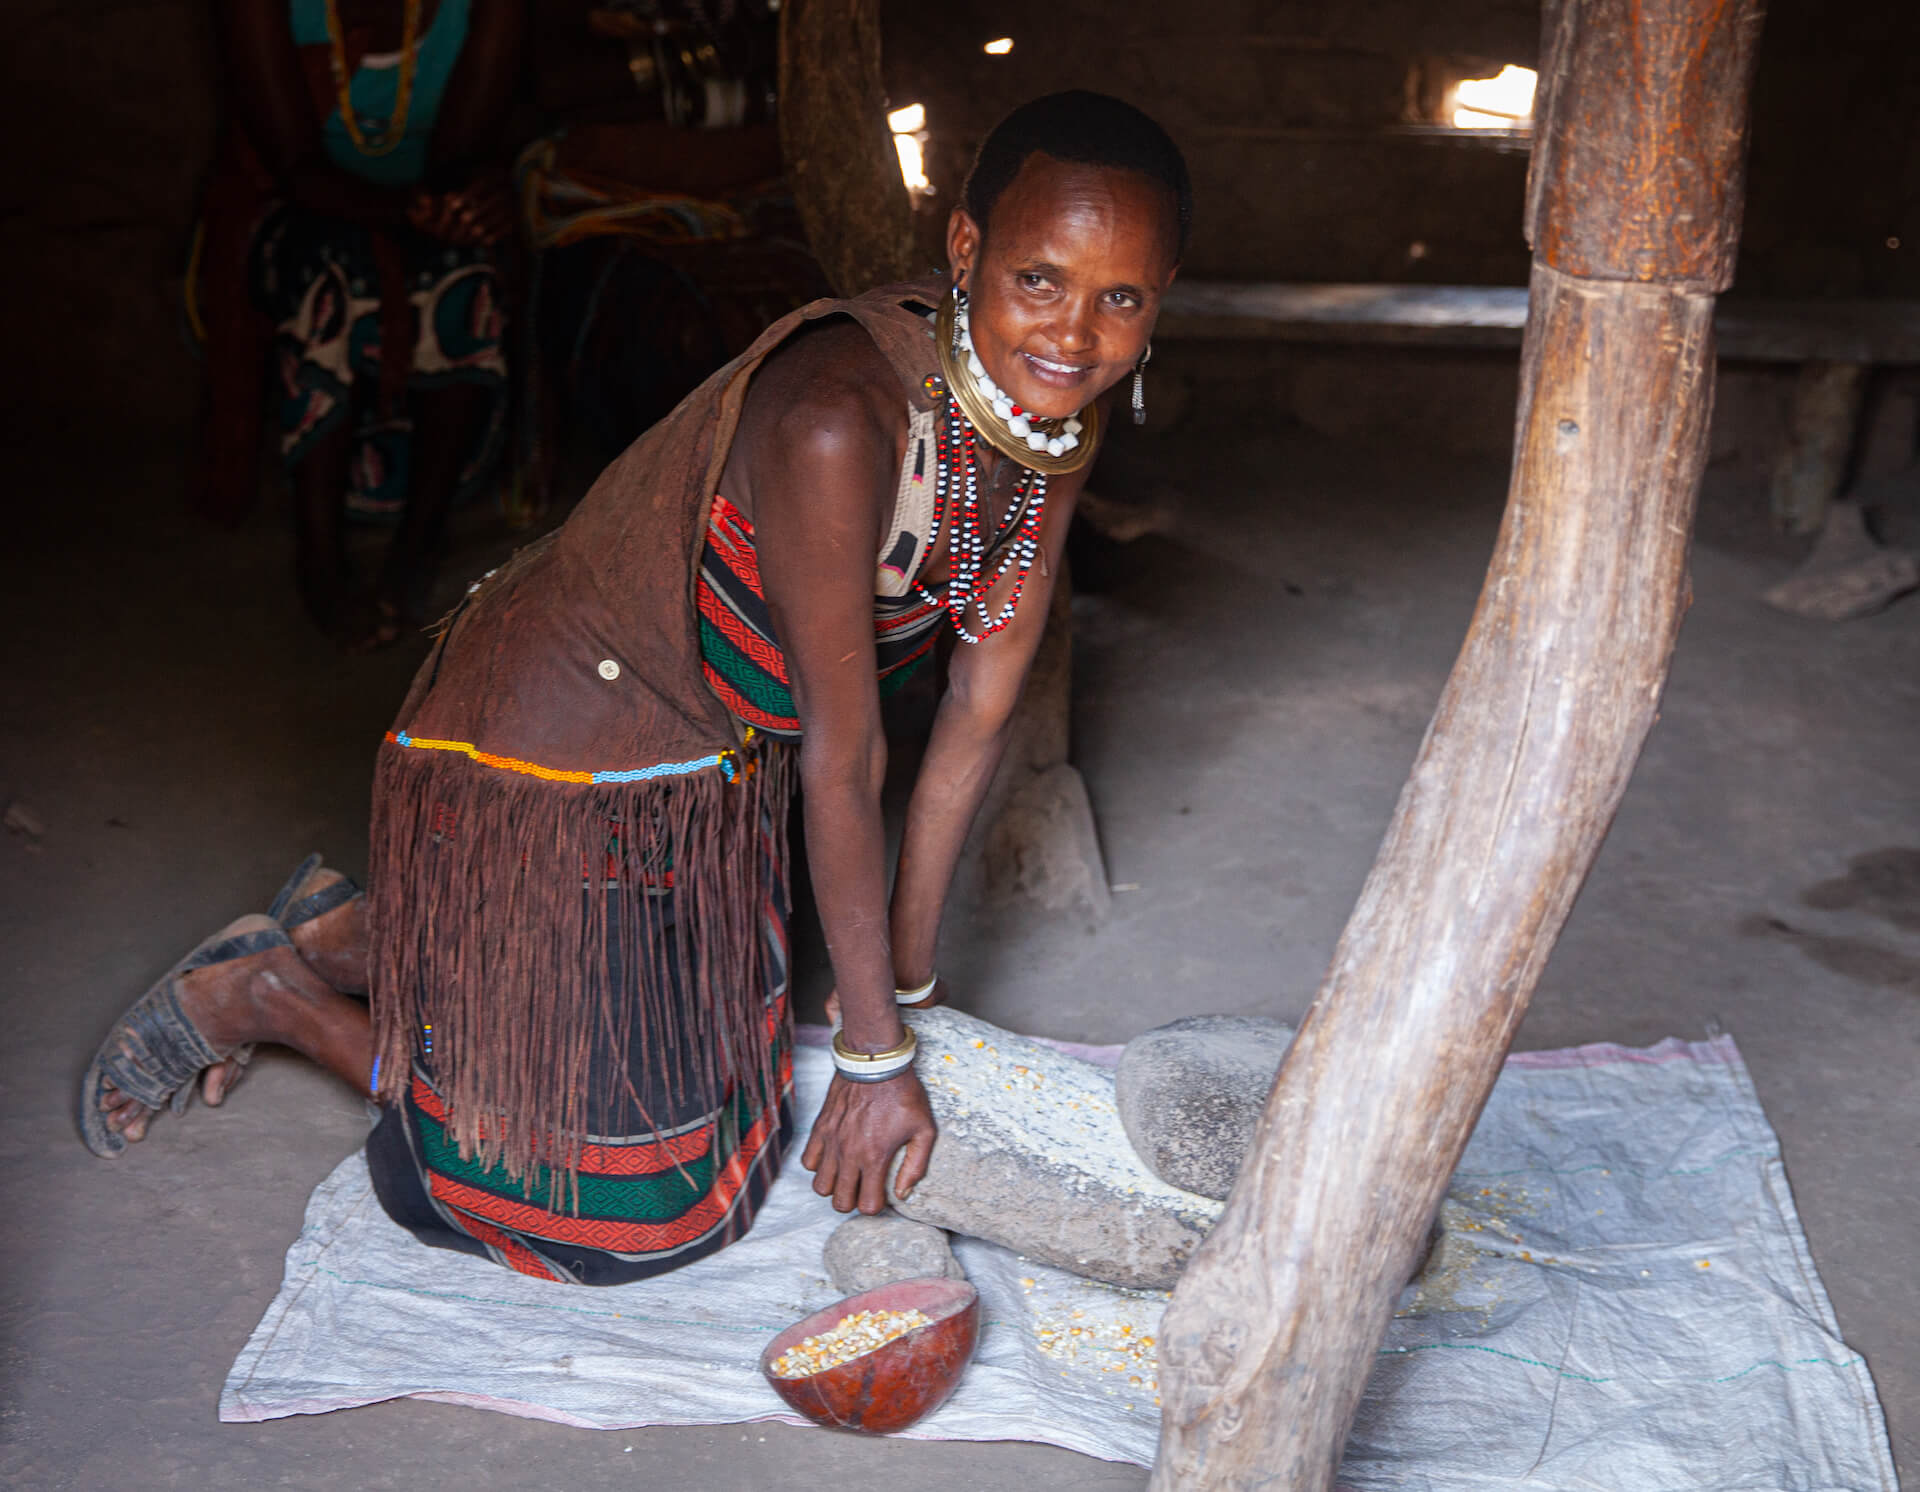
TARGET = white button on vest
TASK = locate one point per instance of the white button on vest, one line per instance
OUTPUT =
(609, 669)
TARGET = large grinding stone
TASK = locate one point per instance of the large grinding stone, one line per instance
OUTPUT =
(1032, 1156)
(1191, 1092)
(867, 1252)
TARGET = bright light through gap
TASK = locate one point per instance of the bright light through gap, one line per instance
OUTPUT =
(913, 165)
(999, 47)
(1503, 102)
(906, 121)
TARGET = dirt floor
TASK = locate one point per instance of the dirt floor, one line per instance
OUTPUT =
(1251, 689)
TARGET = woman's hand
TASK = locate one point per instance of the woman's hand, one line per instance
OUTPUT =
(860, 1128)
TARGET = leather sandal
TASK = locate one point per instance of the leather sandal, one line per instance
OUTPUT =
(290, 908)
(154, 1053)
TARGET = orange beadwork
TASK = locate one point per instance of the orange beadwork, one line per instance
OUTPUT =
(727, 761)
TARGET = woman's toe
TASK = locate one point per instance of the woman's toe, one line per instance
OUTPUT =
(219, 1081)
(129, 1119)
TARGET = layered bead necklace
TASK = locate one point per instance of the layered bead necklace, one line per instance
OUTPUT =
(395, 129)
(976, 409)
(967, 534)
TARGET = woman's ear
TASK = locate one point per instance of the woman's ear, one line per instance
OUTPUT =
(963, 244)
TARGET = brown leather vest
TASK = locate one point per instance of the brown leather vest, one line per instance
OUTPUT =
(584, 655)
(562, 738)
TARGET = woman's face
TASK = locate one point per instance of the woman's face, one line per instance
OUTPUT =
(1064, 291)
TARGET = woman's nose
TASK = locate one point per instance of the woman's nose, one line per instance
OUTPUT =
(1074, 330)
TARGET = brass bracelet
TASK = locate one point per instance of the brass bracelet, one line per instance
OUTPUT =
(843, 1053)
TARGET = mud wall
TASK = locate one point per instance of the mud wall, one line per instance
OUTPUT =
(1292, 113)
(1295, 117)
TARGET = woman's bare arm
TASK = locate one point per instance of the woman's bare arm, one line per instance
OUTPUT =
(816, 459)
(970, 733)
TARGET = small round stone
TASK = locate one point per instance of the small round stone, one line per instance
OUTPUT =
(868, 1251)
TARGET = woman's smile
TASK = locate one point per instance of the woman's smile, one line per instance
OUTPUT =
(1056, 374)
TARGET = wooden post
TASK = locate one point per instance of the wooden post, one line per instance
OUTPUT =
(1633, 213)
(840, 158)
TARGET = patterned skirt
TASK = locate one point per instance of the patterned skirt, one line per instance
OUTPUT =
(675, 1172)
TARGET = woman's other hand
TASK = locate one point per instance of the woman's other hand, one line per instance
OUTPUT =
(860, 1128)
(938, 997)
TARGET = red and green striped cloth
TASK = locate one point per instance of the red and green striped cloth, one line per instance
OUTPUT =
(740, 654)
(646, 1203)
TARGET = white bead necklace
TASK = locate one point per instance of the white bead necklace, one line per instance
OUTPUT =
(1018, 422)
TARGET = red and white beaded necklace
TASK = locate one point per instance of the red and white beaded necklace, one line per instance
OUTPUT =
(1040, 447)
(967, 536)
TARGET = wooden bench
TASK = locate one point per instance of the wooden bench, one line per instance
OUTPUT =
(1835, 343)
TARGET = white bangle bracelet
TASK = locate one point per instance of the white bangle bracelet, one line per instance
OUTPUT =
(915, 996)
(882, 1075)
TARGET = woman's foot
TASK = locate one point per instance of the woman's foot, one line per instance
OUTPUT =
(334, 943)
(262, 996)
(278, 977)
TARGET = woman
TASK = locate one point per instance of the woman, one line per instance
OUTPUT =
(358, 207)
(577, 932)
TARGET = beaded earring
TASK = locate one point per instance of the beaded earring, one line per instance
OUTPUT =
(1140, 386)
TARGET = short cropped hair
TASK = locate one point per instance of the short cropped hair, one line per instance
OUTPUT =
(1090, 129)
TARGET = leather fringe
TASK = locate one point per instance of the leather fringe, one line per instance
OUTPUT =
(490, 923)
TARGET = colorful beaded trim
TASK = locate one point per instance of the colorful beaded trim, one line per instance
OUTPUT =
(726, 761)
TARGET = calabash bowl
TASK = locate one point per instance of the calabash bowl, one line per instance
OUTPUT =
(897, 1383)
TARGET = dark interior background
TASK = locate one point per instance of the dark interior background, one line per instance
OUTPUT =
(1293, 114)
